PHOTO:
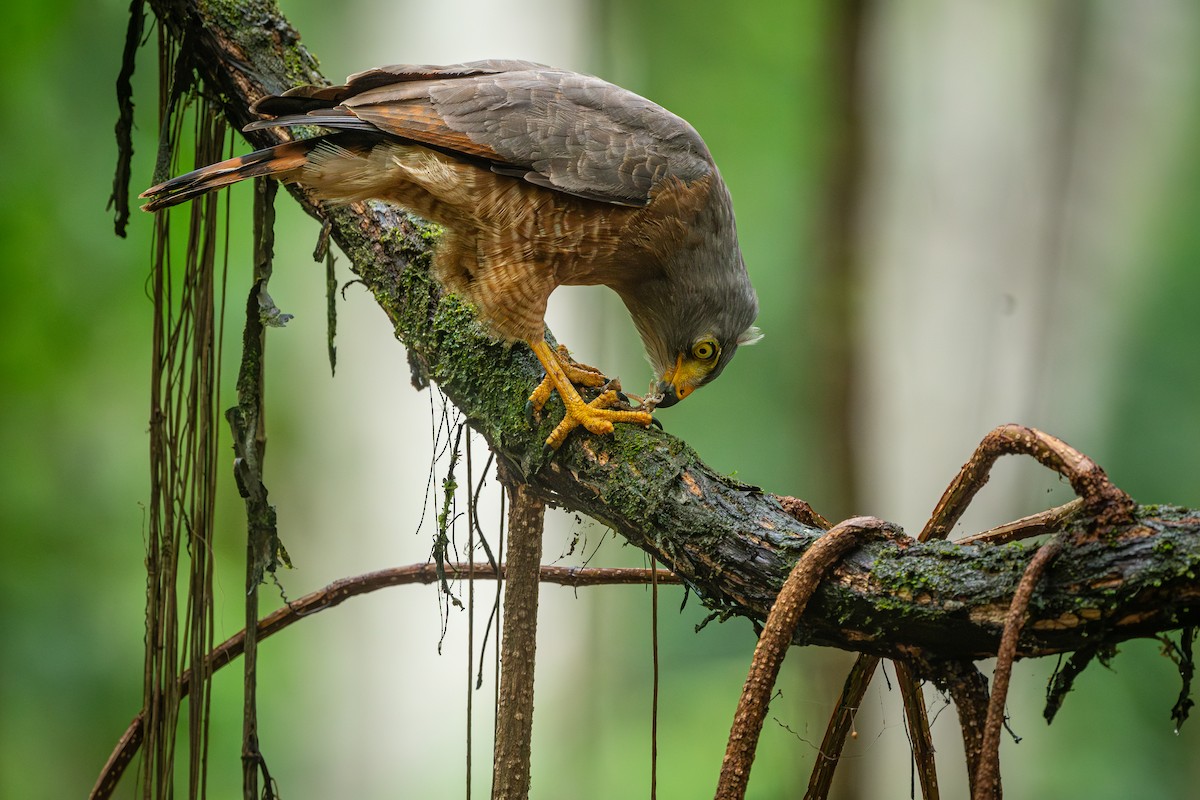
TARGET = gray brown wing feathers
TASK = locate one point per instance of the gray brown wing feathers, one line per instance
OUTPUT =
(560, 130)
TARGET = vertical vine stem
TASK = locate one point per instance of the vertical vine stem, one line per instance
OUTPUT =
(919, 736)
(654, 674)
(247, 421)
(185, 385)
(470, 610)
(518, 646)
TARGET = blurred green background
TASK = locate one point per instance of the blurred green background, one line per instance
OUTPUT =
(1026, 251)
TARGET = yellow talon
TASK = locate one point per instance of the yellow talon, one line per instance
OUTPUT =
(578, 374)
(561, 375)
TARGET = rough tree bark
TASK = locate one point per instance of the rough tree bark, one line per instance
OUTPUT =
(514, 701)
(733, 544)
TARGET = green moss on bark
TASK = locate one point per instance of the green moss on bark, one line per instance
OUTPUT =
(732, 544)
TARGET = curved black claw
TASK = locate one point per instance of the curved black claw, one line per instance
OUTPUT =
(547, 450)
(530, 413)
(654, 421)
(622, 397)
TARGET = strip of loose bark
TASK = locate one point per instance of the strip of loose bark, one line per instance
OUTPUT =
(773, 643)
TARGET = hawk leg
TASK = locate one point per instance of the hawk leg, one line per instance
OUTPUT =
(597, 416)
(578, 374)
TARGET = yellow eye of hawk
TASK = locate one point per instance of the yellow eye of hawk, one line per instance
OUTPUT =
(705, 350)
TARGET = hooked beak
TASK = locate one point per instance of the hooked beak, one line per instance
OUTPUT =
(666, 391)
(676, 383)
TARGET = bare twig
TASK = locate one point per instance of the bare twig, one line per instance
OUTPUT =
(1049, 521)
(335, 594)
(818, 560)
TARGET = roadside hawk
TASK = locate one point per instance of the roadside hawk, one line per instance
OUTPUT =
(540, 177)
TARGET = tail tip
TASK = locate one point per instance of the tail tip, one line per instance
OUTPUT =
(155, 202)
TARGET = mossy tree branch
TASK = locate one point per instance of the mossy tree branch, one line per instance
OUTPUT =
(730, 542)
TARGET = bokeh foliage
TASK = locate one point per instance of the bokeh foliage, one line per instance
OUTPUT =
(74, 367)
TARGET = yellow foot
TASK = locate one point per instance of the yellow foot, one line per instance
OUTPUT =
(597, 416)
(562, 374)
(578, 374)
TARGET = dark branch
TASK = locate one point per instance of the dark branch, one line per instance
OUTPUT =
(733, 544)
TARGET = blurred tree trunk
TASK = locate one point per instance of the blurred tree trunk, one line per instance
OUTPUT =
(1013, 150)
(838, 277)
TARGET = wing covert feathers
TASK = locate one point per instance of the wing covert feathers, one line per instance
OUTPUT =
(559, 130)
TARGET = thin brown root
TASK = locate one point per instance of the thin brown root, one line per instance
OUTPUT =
(857, 681)
(969, 691)
(820, 558)
(987, 780)
(1103, 500)
(920, 737)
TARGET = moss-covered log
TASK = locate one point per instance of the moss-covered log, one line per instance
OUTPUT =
(730, 542)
